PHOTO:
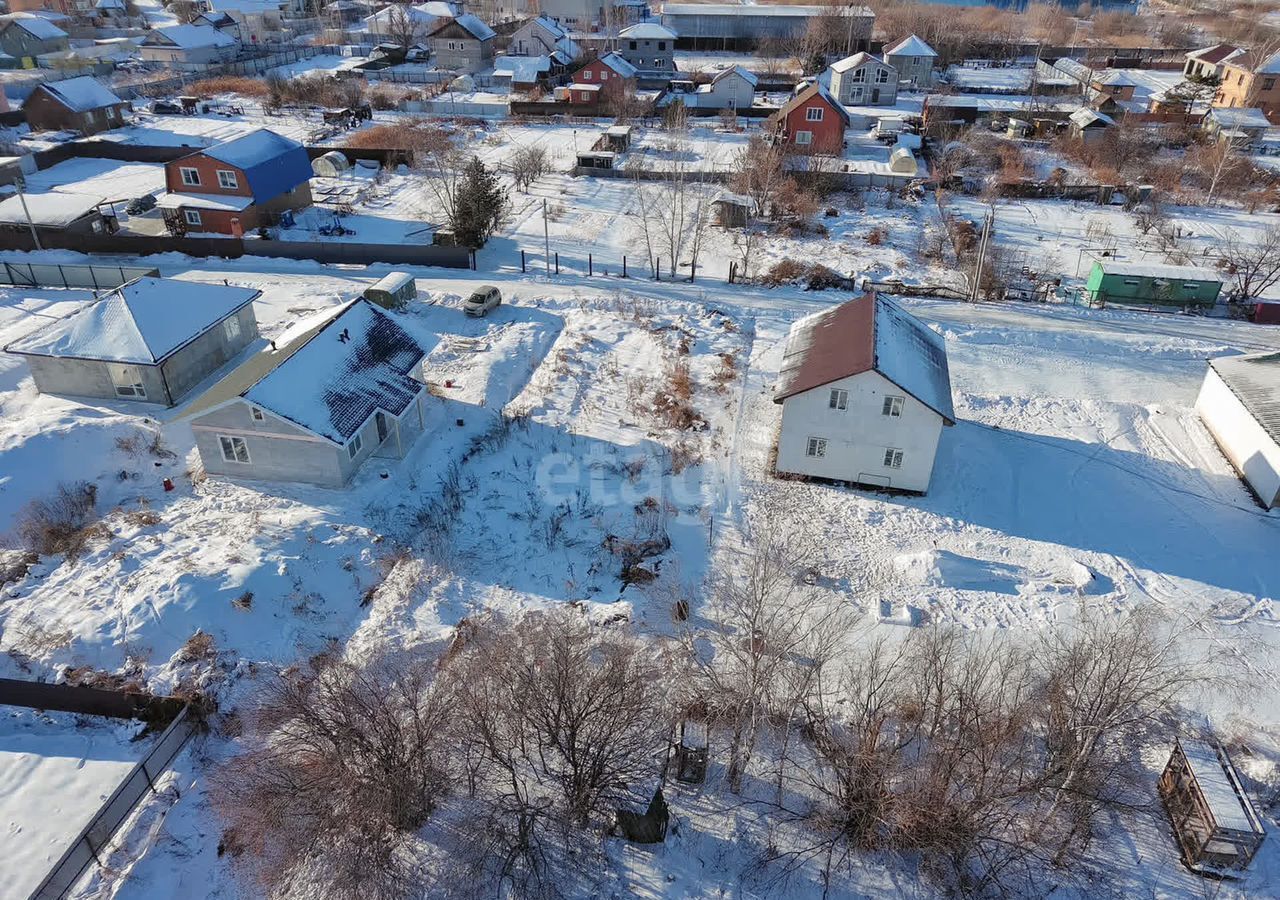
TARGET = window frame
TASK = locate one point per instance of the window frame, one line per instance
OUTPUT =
(231, 440)
(193, 180)
(192, 217)
(354, 446)
(809, 113)
(815, 447)
(838, 399)
(234, 179)
(127, 387)
(892, 458)
(257, 414)
(586, 74)
(804, 138)
(892, 406)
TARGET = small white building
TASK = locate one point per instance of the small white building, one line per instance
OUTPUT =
(865, 393)
(1239, 403)
(914, 61)
(731, 88)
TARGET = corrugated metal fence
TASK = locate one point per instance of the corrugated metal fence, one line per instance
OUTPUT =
(99, 278)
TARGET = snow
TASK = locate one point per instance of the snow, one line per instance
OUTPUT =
(1255, 380)
(194, 37)
(912, 357)
(253, 149)
(647, 31)
(142, 322)
(222, 202)
(55, 772)
(38, 27)
(475, 27)
(1154, 270)
(109, 178)
(82, 94)
(55, 209)
(1219, 793)
(910, 46)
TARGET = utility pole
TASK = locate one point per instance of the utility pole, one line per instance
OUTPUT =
(20, 183)
(546, 237)
(983, 241)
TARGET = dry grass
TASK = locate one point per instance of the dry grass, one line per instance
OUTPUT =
(198, 648)
(230, 84)
(673, 400)
(61, 524)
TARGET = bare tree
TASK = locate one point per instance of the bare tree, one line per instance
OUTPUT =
(1252, 262)
(527, 165)
(401, 27)
(759, 169)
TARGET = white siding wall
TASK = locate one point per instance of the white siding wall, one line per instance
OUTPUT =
(858, 436)
(733, 92)
(1244, 442)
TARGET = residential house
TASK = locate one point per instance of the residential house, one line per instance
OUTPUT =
(152, 340)
(610, 68)
(111, 9)
(1151, 284)
(864, 80)
(56, 212)
(732, 26)
(544, 37)
(1214, 821)
(1244, 127)
(26, 35)
(731, 88)
(189, 44)
(913, 60)
(1207, 64)
(81, 104)
(1089, 125)
(1251, 79)
(1239, 403)
(464, 44)
(323, 398)
(221, 21)
(575, 15)
(238, 185)
(259, 21)
(812, 121)
(649, 47)
(408, 25)
(865, 394)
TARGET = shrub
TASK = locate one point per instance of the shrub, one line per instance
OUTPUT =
(63, 523)
(784, 272)
(230, 84)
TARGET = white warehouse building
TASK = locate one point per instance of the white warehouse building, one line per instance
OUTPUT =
(865, 394)
(1239, 403)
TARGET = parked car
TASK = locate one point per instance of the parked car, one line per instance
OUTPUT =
(483, 299)
(139, 205)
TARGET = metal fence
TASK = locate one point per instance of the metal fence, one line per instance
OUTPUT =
(111, 815)
(99, 278)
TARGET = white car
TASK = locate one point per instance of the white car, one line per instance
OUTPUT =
(482, 299)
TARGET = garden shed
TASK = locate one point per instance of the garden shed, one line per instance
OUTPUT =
(1151, 284)
(1213, 819)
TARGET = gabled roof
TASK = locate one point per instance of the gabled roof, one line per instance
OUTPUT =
(551, 26)
(619, 65)
(189, 37)
(36, 26)
(80, 94)
(216, 18)
(1084, 117)
(468, 23)
(1258, 64)
(357, 363)
(870, 333)
(647, 31)
(804, 95)
(749, 77)
(856, 61)
(272, 163)
(1255, 380)
(143, 322)
(1218, 53)
(1239, 117)
(910, 46)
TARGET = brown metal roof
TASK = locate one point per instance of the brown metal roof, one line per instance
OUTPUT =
(829, 346)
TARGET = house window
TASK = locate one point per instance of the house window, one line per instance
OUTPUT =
(258, 415)
(804, 137)
(662, 45)
(633, 45)
(128, 382)
(860, 75)
(1268, 83)
(604, 76)
(892, 407)
(839, 399)
(227, 179)
(234, 449)
(586, 74)
(192, 216)
(855, 93)
(353, 448)
(190, 177)
(816, 447)
(231, 327)
(813, 114)
(892, 458)
(657, 62)
(882, 76)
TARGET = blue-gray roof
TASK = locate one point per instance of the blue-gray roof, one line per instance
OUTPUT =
(272, 163)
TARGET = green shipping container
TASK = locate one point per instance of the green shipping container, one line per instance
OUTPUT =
(1151, 284)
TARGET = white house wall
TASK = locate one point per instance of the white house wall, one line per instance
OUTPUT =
(1243, 441)
(858, 436)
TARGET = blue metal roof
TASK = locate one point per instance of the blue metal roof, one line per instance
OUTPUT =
(273, 164)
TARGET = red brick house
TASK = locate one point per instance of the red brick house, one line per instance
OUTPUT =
(812, 121)
(236, 186)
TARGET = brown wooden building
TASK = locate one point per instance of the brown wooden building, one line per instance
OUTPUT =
(1213, 819)
(81, 104)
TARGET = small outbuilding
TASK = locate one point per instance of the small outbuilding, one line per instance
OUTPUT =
(618, 138)
(394, 291)
(1089, 125)
(596, 159)
(1151, 284)
(1214, 822)
(56, 212)
(903, 162)
(82, 104)
(1239, 402)
(865, 394)
(730, 210)
(331, 164)
(152, 340)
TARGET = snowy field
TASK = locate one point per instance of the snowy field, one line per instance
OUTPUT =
(55, 771)
(1078, 473)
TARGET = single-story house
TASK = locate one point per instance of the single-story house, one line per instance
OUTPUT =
(524, 72)
(913, 60)
(238, 185)
(464, 44)
(317, 403)
(81, 104)
(812, 121)
(1089, 125)
(195, 44)
(1213, 818)
(152, 339)
(27, 35)
(865, 394)
(1146, 284)
(1239, 403)
(863, 80)
(55, 211)
(732, 88)
(1243, 126)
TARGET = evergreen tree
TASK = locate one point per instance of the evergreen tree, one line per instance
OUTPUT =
(481, 207)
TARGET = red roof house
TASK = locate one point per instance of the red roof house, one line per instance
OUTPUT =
(812, 122)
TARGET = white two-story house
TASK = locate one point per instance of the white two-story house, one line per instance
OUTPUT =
(865, 394)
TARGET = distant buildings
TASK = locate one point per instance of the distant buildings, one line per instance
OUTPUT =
(649, 47)
(191, 44)
(1206, 64)
(1239, 403)
(865, 394)
(82, 104)
(26, 36)
(913, 60)
(1251, 79)
(727, 26)
(464, 44)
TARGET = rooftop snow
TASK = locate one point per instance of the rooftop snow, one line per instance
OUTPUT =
(865, 334)
(1255, 380)
(246, 6)
(1084, 117)
(1239, 117)
(749, 77)
(523, 69)
(1158, 270)
(616, 62)
(54, 209)
(852, 62)
(647, 31)
(142, 322)
(253, 149)
(332, 386)
(194, 37)
(474, 27)
(38, 27)
(222, 202)
(910, 46)
(552, 27)
(1216, 785)
(81, 94)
